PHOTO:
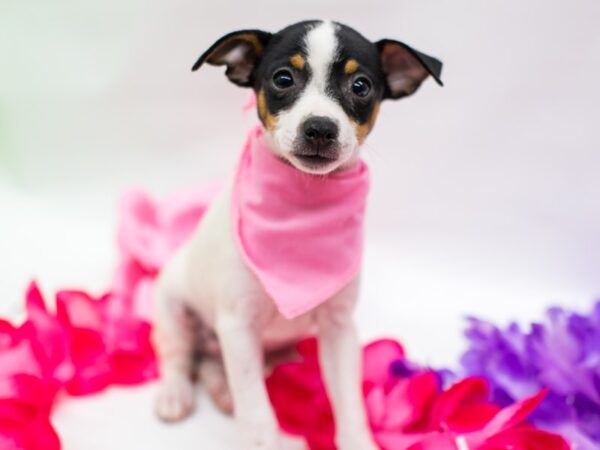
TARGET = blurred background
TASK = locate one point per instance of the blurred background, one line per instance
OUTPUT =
(486, 193)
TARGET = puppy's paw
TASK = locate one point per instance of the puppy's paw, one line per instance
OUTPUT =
(221, 397)
(212, 373)
(175, 400)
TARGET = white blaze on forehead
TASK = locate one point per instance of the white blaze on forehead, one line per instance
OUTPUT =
(321, 49)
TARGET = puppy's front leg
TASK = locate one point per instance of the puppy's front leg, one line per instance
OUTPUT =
(243, 356)
(341, 364)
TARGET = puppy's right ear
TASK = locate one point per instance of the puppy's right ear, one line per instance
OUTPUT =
(240, 51)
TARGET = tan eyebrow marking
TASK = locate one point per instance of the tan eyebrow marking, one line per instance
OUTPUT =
(351, 66)
(298, 61)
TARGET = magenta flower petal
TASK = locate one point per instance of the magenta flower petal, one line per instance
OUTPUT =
(48, 338)
(376, 360)
(25, 403)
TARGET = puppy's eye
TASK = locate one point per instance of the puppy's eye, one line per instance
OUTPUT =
(361, 87)
(283, 79)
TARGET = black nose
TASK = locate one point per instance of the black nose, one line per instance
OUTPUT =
(320, 130)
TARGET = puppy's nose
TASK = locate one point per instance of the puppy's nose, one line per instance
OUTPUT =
(320, 130)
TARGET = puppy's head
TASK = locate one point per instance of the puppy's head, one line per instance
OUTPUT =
(319, 85)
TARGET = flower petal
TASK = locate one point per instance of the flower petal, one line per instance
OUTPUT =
(377, 357)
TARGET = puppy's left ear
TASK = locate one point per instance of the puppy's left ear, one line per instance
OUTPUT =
(406, 68)
(240, 51)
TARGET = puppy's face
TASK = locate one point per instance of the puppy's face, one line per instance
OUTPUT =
(319, 85)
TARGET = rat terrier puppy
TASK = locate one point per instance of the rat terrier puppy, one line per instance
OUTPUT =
(245, 286)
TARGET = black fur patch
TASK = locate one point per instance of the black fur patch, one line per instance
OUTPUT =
(352, 45)
(275, 51)
(282, 46)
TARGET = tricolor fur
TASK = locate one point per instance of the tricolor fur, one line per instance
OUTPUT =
(328, 64)
(319, 85)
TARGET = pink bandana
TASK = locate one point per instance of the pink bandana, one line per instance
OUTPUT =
(300, 234)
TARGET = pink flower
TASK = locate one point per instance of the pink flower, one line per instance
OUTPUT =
(27, 386)
(24, 410)
(408, 411)
(106, 342)
(86, 346)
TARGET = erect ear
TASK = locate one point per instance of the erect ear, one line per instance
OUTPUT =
(240, 51)
(405, 68)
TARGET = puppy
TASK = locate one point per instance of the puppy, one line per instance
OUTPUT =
(276, 256)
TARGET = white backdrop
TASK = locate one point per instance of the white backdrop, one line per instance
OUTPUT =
(486, 194)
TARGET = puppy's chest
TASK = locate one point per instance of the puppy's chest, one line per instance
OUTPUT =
(276, 332)
(280, 332)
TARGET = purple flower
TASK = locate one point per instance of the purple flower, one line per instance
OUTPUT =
(562, 354)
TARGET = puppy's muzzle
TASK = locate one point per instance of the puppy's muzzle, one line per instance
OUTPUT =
(318, 141)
